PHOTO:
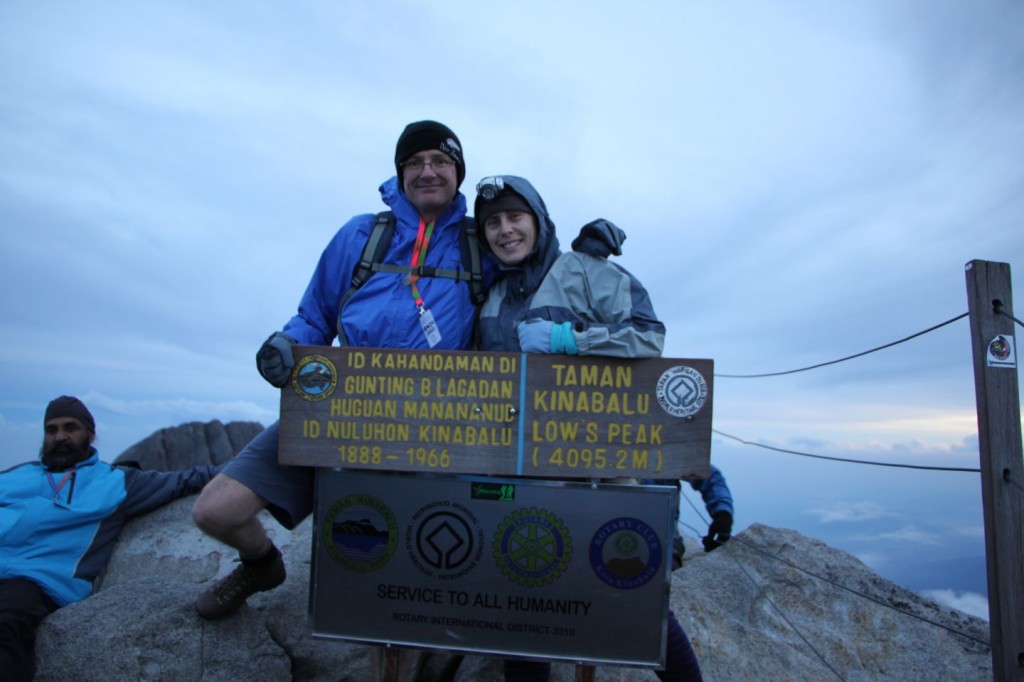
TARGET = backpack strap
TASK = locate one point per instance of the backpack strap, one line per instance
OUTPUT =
(369, 262)
(471, 259)
(376, 247)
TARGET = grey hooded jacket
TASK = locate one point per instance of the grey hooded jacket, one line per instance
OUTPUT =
(609, 309)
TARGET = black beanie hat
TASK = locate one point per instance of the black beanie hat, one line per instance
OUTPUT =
(68, 406)
(509, 200)
(423, 135)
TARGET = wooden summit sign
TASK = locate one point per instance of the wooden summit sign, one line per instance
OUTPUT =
(466, 412)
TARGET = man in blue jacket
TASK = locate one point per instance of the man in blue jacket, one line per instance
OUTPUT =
(395, 308)
(59, 521)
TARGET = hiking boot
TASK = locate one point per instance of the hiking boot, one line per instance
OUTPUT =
(228, 594)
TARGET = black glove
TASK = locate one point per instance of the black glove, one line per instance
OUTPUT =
(719, 531)
(274, 359)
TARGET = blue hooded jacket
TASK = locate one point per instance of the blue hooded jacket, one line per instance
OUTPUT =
(714, 492)
(383, 312)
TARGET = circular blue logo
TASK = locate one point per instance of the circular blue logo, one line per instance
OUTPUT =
(315, 378)
(626, 553)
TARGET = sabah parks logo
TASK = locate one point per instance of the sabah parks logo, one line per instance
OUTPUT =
(360, 533)
(315, 378)
(682, 391)
(532, 547)
(625, 553)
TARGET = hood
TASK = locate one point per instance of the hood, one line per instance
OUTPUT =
(530, 271)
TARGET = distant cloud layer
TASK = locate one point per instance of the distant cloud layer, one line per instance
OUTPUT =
(970, 603)
(845, 512)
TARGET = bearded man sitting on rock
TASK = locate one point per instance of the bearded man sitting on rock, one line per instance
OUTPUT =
(60, 517)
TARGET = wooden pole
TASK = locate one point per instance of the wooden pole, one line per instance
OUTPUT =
(585, 673)
(1002, 468)
(390, 663)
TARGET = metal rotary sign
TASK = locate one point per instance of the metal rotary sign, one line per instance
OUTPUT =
(494, 565)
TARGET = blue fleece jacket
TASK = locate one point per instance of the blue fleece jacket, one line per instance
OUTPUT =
(62, 539)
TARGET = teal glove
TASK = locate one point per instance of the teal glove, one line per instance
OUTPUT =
(544, 336)
(563, 340)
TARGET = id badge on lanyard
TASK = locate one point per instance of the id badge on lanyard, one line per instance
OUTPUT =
(430, 329)
(419, 254)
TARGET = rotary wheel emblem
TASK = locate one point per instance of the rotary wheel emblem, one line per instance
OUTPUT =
(532, 547)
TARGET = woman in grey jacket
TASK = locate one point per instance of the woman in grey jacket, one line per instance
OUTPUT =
(576, 303)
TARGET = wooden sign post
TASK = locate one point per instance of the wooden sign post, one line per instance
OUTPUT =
(497, 414)
(1002, 468)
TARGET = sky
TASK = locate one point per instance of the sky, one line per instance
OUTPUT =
(799, 182)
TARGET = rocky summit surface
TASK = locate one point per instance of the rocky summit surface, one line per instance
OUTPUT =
(772, 604)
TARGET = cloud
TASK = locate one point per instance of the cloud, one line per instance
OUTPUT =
(849, 512)
(973, 532)
(181, 407)
(888, 436)
(970, 603)
(912, 535)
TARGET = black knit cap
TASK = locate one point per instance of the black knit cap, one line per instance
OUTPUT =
(508, 200)
(423, 135)
(68, 406)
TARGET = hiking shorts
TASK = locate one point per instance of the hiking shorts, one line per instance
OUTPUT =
(288, 490)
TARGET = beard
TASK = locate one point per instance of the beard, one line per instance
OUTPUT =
(63, 456)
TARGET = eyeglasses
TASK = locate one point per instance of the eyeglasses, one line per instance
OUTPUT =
(438, 163)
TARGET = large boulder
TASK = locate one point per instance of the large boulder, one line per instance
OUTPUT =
(771, 604)
(142, 625)
(189, 445)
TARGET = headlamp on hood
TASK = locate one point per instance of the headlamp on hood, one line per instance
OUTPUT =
(490, 187)
(494, 197)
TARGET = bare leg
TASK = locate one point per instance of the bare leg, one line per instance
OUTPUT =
(226, 510)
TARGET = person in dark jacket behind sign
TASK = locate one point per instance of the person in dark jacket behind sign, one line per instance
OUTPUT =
(717, 498)
(60, 517)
